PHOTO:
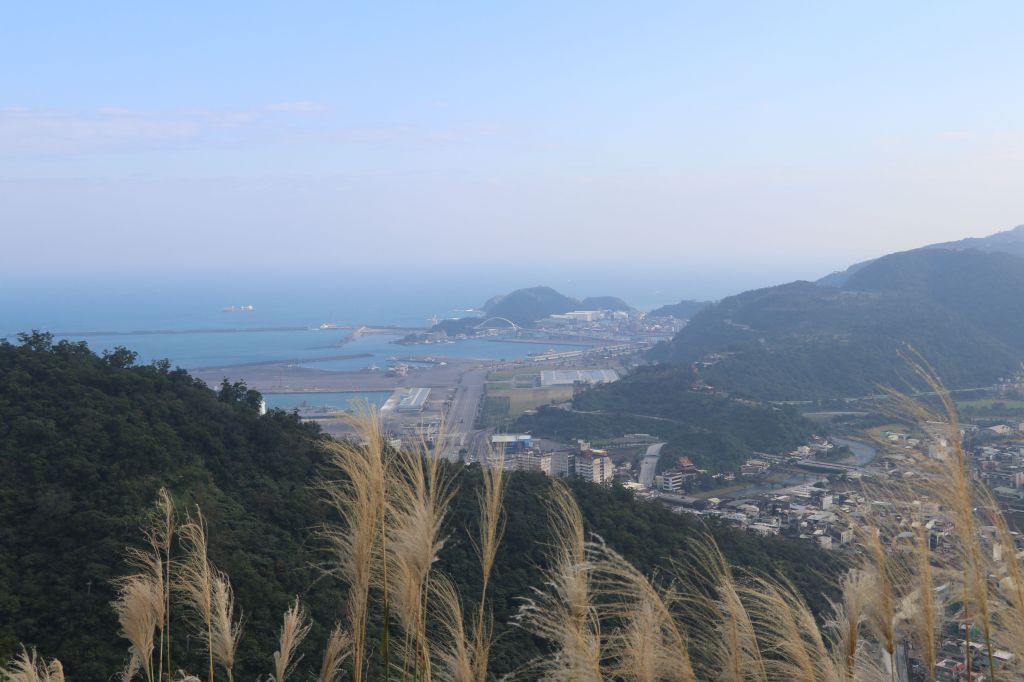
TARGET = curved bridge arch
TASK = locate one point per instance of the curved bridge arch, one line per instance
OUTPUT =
(484, 324)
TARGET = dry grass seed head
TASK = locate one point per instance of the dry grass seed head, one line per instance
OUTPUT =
(338, 648)
(28, 667)
(647, 645)
(140, 610)
(564, 612)
(453, 651)
(294, 628)
(358, 497)
(226, 630)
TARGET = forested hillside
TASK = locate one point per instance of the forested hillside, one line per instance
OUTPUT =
(684, 310)
(526, 306)
(715, 431)
(86, 441)
(801, 341)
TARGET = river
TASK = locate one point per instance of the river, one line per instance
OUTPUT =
(863, 454)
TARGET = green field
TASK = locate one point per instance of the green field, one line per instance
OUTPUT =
(503, 402)
(991, 407)
(988, 403)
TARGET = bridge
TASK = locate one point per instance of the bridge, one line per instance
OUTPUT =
(512, 325)
(826, 467)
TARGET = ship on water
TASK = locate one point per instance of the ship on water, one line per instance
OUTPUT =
(239, 309)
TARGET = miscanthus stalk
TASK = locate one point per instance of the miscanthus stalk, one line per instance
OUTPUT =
(722, 630)
(881, 611)
(161, 538)
(455, 655)
(337, 649)
(950, 481)
(564, 611)
(227, 630)
(857, 589)
(647, 643)
(150, 587)
(924, 616)
(294, 628)
(208, 594)
(28, 667)
(419, 495)
(492, 527)
(359, 545)
(195, 578)
(789, 637)
(140, 609)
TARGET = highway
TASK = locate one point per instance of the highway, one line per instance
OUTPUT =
(650, 465)
(462, 413)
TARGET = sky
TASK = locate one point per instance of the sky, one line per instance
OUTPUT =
(756, 140)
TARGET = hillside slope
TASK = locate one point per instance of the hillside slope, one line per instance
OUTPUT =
(959, 309)
(684, 310)
(1010, 242)
(718, 433)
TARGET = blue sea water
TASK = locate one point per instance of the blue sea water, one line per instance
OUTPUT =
(315, 348)
(132, 308)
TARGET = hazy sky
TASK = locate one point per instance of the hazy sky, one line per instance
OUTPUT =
(157, 136)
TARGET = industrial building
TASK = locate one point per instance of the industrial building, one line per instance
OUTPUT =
(413, 400)
(580, 316)
(568, 377)
(509, 443)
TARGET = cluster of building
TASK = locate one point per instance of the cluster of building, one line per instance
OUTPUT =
(808, 511)
(834, 512)
(518, 453)
(624, 325)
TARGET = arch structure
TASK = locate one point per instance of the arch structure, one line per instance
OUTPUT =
(485, 323)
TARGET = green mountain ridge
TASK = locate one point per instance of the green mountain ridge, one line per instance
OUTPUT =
(1009, 241)
(960, 309)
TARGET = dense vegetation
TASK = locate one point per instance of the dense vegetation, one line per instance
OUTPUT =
(683, 310)
(715, 431)
(86, 441)
(527, 306)
(801, 341)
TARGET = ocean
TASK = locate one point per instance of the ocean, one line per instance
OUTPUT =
(184, 320)
(138, 310)
(311, 347)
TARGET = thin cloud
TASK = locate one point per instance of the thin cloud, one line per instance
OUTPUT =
(53, 132)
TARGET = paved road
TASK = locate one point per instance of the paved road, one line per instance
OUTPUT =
(649, 465)
(462, 413)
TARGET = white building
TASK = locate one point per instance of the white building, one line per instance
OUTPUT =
(594, 466)
(560, 464)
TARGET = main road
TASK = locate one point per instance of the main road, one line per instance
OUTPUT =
(459, 421)
(650, 465)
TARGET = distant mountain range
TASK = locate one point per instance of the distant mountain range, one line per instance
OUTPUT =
(959, 304)
(1009, 241)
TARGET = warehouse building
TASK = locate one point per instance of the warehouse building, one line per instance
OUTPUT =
(414, 400)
